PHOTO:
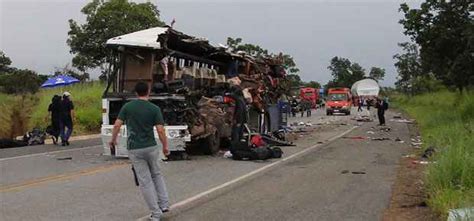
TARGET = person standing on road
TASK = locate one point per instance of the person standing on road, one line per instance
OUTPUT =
(54, 110)
(67, 116)
(360, 102)
(141, 116)
(381, 106)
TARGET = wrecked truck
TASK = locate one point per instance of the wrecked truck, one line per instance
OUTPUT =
(192, 82)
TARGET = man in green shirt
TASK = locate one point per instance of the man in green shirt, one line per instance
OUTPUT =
(141, 116)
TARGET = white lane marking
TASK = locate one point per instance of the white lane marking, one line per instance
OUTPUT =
(50, 152)
(182, 203)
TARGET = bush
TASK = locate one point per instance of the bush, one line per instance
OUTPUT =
(446, 121)
(15, 115)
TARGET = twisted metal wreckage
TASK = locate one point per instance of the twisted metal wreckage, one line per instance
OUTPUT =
(206, 93)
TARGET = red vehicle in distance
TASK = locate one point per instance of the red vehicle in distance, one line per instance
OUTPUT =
(339, 100)
(311, 94)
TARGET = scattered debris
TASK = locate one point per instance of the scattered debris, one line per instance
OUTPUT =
(423, 162)
(462, 214)
(355, 138)
(64, 158)
(386, 129)
(344, 171)
(380, 138)
(403, 121)
(363, 119)
(358, 172)
(398, 139)
(370, 132)
(228, 154)
(409, 156)
(416, 144)
(397, 117)
(428, 152)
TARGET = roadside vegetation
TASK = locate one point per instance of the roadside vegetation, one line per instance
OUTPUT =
(21, 113)
(446, 123)
(87, 104)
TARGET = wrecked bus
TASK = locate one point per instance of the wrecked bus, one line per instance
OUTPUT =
(191, 81)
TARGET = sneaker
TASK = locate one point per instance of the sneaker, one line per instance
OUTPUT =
(165, 210)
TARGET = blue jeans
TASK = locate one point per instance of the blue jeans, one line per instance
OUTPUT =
(65, 134)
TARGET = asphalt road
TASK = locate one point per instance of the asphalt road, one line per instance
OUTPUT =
(79, 183)
(349, 179)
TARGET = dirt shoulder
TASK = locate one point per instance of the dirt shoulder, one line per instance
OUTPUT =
(408, 201)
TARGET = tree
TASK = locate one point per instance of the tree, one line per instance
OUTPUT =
(236, 45)
(444, 30)
(20, 81)
(408, 67)
(377, 73)
(105, 20)
(17, 81)
(312, 84)
(66, 70)
(4, 62)
(294, 80)
(344, 72)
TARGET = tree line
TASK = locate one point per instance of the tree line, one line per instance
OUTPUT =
(441, 51)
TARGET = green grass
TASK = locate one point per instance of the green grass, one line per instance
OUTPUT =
(446, 122)
(87, 104)
(4, 98)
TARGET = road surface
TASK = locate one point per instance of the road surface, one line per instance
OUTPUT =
(314, 180)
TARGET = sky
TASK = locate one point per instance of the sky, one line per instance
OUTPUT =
(33, 33)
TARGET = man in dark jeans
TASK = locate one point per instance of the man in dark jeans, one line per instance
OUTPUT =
(381, 106)
(67, 116)
(141, 116)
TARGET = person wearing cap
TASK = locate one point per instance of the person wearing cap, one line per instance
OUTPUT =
(67, 116)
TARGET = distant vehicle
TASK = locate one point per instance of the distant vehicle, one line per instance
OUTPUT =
(311, 94)
(339, 100)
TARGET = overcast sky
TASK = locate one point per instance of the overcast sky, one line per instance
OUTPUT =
(33, 33)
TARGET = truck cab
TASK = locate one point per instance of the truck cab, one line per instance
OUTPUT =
(338, 100)
(310, 94)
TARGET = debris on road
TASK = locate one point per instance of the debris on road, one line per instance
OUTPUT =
(344, 171)
(64, 158)
(370, 132)
(428, 152)
(462, 214)
(228, 155)
(354, 137)
(403, 121)
(380, 138)
(358, 172)
(423, 162)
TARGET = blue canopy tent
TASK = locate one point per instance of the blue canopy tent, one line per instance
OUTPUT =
(58, 81)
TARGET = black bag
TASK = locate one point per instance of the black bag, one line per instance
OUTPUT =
(277, 152)
(262, 153)
(243, 155)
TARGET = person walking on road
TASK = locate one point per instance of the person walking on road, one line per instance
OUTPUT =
(141, 116)
(54, 110)
(381, 106)
(360, 102)
(67, 116)
(305, 108)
